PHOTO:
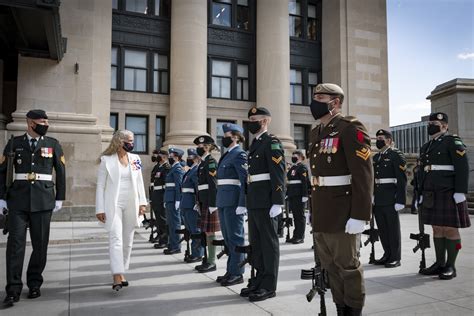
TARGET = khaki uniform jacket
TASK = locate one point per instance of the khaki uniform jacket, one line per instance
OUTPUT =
(340, 148)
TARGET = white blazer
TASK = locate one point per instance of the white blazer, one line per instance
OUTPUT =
(108, 184)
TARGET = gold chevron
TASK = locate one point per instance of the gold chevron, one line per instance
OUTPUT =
(277, 160)
(213, 174)
(460, 152)
(364, 153)
(403, 167)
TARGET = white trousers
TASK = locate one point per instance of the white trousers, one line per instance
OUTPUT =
(121, 236)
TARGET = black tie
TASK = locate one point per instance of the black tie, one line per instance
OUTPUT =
(33, 144)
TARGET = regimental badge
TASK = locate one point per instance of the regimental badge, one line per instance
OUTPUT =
(254, 110)
(158, 174)
(19, 161)
(136, 164)
(329, 159)
(46, 152)
(439, 116)
(201, 139)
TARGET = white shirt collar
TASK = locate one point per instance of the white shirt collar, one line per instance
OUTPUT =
(259, 135)
(31, 137)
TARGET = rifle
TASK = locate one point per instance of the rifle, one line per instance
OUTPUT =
(224, 251)
(202, 237)
(287, 221)
(248, 259)
(422, 239)
(8, 184)
(373, 237)
(186, 237)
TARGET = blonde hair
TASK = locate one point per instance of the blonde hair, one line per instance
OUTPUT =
(116, 142)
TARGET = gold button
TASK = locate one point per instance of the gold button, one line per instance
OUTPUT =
(313, 166)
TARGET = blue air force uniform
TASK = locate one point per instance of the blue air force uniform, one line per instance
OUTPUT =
(174, 180)
(231, 188)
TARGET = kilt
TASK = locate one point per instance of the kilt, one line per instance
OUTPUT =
(444, 211)
(208, 223)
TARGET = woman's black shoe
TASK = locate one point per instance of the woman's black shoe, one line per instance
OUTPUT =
(125, 283)
(117, 287)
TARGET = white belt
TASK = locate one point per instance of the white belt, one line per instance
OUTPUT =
(332, 181)
(33, 176)
(158, 187)
(294, 182)
(439, 168)
(228, 182)
(187, 190)
(259, 177)
(386, 181)
(170, 185)
(203, 187)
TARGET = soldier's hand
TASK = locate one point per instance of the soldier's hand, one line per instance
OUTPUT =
(101, 217)
(212, 209)
(241, 210)
(355, 226)
(3, 205)
(399, 207)
(304, 199)
(142, 210)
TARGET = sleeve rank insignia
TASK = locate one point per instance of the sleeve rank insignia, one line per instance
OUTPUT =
(277, 160)
(364, 153)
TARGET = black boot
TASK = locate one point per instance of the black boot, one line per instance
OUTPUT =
(351, 311)
(340, 309)
(447, 273)
(434, 269)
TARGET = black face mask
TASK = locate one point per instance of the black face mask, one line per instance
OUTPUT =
(189, 162)
(319, 109)
(40, 129)
(380, 143)
(154, 158)
(128, 147)
(294, 159)
(200, 151)
(254, 126)
(171, 161)
(227, 141)
(433, 129)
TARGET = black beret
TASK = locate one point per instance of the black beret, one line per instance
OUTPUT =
(258, 111)
(36, 114)
(298, 152)
(204, 139)
(383, 132)
(439, 116)
(160, 152)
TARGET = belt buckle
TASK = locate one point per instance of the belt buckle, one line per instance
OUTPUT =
(31, 176)
(427, 168)
(320, 181)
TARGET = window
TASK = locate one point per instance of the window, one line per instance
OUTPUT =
(220, 133)
(163, 8)
(243, 16)
(113, 121)
(301, 136)
(114, 4)
(139, 126)
(160, 132)
(312, 82)
(113, 70)
(138, 6)
(311, 25)
(221, 12)
(296, 87)
(294, 8)
(135, 70)
(242, 82)
(221, 79)
(160, 73)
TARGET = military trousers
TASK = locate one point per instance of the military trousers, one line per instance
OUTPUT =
(339, 255)
(232, 228)
(297, 208)
(173, 219)
(160, 214)
(39, 225)
(265, 248)
(191, 218)
(388, 224)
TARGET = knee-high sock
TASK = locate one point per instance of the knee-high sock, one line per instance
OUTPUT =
(211, 249)
(440, 250)
(452, 246)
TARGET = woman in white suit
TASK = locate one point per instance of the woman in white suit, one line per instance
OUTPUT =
(120, 201)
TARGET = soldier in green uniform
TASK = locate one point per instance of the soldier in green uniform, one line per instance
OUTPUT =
(444, 183)
(389, 197)
(265, 199)
(342, 180)
(31, 201)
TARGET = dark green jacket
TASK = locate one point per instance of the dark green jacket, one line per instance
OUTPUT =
(390, 164)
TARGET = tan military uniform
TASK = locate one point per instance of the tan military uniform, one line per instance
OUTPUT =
(341, 165)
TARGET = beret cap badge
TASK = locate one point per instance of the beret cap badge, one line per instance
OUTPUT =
(439, 116)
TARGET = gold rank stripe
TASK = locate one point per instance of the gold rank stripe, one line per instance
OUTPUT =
(277, 160)
(460, 152)
(305, 174)
(364, 153)
(63, 160)
(213, 174)
(403, 168)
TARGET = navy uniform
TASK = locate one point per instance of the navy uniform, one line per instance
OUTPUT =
(174, 180)
(266, 193)
(444, 182)
(189, 206)
(158, 185)
(231, 187)
(389, 198)
(30, 201)
(297, 193)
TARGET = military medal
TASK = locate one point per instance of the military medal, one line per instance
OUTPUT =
(335, 145)
(19, 161)
(330, 143)
(329, 159)
(46, 152)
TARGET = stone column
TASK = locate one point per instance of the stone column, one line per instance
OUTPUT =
(188, 77)
(273, 66)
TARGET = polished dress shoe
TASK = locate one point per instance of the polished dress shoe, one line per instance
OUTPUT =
(447, 273)
(221, 278)
(246, 291)
(159, 246)
(297, 241)
(261, 295)
(434, 269)
(290, 241)
(192, 259)
(392, 264)
(381, 261)
(233, 280)
(206, 267)
(171, 252)
(10, 300)
(125, 283)
(34, 292)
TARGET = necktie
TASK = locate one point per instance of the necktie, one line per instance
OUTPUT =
(33, 144)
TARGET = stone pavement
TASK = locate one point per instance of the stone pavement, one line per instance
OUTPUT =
(77, 281)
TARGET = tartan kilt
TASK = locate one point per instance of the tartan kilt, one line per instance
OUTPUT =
(208, 223)
(445, 211)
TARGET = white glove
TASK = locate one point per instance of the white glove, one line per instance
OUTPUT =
(373, 200)
(241, 210)
(176, 205)
(3, 205)
(275, 210)
(212, 209)
(164, 204)
(355, 226)
(399, 207)
(420, 200)
(59, 205)
(304, 199)
(196, 207)
(459, 197)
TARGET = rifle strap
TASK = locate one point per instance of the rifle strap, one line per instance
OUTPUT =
(440, 250)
